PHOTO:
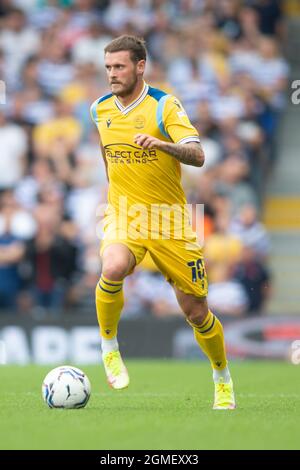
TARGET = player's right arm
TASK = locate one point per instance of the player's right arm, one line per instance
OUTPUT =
(104, 158)
(93, 112)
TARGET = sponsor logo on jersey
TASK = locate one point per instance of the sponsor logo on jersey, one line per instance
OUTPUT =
(139, 122)
(126, 153)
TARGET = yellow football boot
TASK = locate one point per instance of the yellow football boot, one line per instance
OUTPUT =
(116, 372)
(224, 396)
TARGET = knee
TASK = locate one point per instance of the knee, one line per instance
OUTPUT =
(196, 314)
(115, 270)
(117, 261)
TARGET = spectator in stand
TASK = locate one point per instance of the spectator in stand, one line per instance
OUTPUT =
(270, 16)
(16, 226)
(18, 41)
(29, 103)
(51, 256)
(86, 49)
(255, 278)
(61, 133)
(41, 175)
(13, 152)
(221, 247)
(227, 296)
(232, 175)
(250, 231)
(227, 19)
(55, 70)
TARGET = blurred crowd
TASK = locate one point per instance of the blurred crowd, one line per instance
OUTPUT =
(222, 58)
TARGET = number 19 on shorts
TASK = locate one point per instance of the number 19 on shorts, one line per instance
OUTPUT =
(197, 270)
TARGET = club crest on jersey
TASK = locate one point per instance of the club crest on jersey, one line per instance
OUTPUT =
(139, 122)
(108, 122)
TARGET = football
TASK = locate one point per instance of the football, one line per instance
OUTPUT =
(66, 387)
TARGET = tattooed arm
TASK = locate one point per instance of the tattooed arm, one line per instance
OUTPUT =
(189, 154)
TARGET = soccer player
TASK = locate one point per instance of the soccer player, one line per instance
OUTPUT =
(145, 135)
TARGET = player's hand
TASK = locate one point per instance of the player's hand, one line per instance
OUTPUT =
(147, 141)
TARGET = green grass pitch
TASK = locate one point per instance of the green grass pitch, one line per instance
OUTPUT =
(167, 406)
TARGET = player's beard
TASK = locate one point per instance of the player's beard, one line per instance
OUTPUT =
(128, 89)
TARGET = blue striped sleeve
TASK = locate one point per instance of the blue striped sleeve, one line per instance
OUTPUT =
(93, 108)
(93, 111)
(159, 115)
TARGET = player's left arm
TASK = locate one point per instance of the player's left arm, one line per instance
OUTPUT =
(190, 153)
(183, 142)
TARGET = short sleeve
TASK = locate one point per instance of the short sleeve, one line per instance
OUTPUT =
(176, 122)
(93, 111)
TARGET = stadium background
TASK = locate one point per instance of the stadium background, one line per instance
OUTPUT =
(231, 63)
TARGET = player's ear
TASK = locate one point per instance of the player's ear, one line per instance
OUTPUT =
(141, 66)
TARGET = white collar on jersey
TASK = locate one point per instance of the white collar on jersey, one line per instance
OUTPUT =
(130, 107)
